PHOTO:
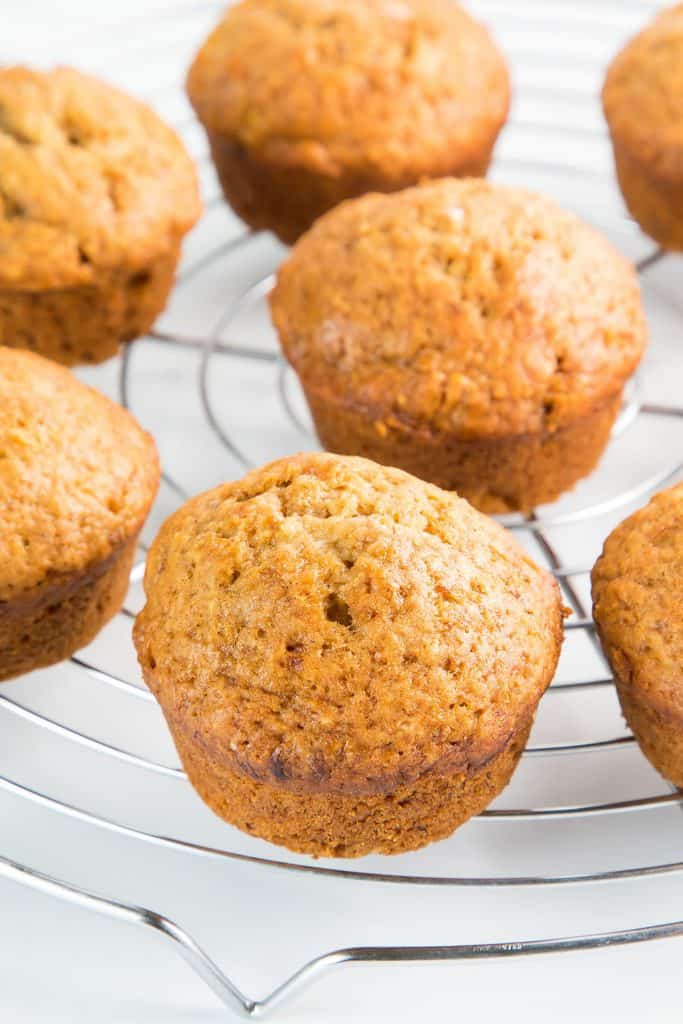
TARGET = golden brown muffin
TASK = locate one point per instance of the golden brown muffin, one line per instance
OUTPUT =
(638, 609)
(643, 103)
(348, 658)
(308, 102)
(96, 194)
(77, 478)
(472, 334)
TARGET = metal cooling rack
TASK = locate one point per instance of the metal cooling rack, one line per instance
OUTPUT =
(239, 336)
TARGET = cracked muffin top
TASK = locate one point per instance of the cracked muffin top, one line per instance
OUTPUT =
(638, 600)
(330, 624)
(643, 95)
(90, 180)
(460, 306)
(338, 84)
(77, 474)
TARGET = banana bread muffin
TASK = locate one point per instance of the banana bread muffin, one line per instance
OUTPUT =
(475, 335)
(638, 609)
(643, 102)
(308, 102)
(348, 658)
(77, 478)
(96, 194)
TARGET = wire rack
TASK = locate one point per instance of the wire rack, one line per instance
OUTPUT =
(221, 374)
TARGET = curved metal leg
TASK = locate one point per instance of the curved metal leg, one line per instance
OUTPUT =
(235, 1000)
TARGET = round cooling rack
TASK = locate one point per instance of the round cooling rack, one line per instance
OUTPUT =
(584, 807)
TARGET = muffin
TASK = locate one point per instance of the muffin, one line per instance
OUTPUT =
(77, 478)
(637, 606)
(643, 103)
(475, 335)
(308, 102)
(349, 659)
(96, 194)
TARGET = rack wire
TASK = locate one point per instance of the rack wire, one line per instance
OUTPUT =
(226, 341)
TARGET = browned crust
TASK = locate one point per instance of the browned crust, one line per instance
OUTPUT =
(637, 611)
(451, 634)
(658, 730)
(88, 324)
(656, 723)
(307, 103)
(465, 757)
(92, 181)
(346, 825)
(655, 719)
(632, 681)
(640, 99)
(654, 201)
(637, 603)
(46, 624)
(78, 474)
(459, 307)
(497, 474)
(286, 198)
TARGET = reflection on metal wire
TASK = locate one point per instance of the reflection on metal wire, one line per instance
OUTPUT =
(579, 92)
(229, 994)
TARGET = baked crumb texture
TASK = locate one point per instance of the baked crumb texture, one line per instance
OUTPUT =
(309, 102)
(77, 478)
(349, 659)
(96, 193)
(643, 103)
(475, 335)
(637, 608)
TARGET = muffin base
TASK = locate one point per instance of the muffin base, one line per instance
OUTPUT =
(50, 622)
(287, 198)
(655, 203)
(659, 734)
(508, 474)
(343, 825)
(87, 324)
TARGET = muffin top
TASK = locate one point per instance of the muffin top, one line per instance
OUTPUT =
(460, 306)
(77, 474)
(330, 624)
(90, 180)
(638, 600)
(335, 84)
(643, 95)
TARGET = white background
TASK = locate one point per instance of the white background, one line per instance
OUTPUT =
(63, 964)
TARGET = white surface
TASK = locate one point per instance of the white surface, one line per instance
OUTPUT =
(62, 964)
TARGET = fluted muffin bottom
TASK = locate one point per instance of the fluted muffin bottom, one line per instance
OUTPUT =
(504, 474)
(637, 611)
(88, 323)
(345, 825)
(659, 733)
(50, 622)
(348, 658)
(287, 198)
(655, 203)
